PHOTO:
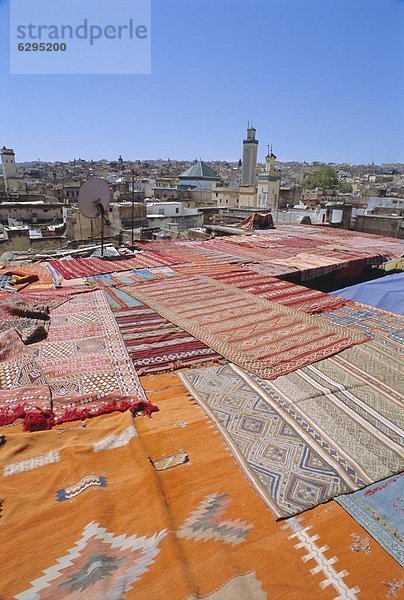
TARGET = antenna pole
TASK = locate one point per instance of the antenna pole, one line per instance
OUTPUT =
(102, 235)
(133, 203)
(101, 212)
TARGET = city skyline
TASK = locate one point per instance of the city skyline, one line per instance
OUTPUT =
(318, 80)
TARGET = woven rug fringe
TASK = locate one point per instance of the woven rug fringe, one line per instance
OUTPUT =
(79, 414)
(36, 419)
(175, 366)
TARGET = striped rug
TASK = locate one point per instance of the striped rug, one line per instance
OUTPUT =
(85, 267)
(156, 345)
(282, 292)
(264, 337)
(306, 437)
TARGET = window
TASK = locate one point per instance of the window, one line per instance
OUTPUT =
(177, 210)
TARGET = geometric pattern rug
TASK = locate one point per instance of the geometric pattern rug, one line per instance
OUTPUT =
(305, 437)
(368, 320)
(24, 391)
(155, 345)
(258, 335)
(322, 554)
(379, 509)
(283, 292)
(67, 501)
(128, 277)
(85, 267)
(85, 361)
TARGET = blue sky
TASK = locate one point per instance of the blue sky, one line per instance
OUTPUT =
(319, 79)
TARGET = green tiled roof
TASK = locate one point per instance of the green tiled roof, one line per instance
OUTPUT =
(200, 170)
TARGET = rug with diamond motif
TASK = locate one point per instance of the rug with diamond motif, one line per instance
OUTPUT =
(305, 437)
(24, 391)
(85, 361)
(262, 336)
(84, 504)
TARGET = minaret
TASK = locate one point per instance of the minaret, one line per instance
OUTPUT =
(249, 166)
(270, 161)
(8, 162)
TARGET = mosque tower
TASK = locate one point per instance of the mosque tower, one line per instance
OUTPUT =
(249, 165)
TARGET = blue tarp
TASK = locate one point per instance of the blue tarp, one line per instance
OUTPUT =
(386, 293)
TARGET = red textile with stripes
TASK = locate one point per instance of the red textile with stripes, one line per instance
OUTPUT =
(84, 267)
(258, 335)
(282, 292)
(154, 344)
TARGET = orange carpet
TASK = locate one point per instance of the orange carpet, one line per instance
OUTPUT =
(83, 517)
(83, 514)
(323, 553)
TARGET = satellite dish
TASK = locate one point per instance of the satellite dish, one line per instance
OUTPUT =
(94, 198)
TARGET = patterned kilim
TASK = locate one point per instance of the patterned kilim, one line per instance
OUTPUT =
(118, 299)
(369, 321)
(54, 297)
(278, 252)
(154, 344)
(191, 253)
(271, 270)
(283, 292)
(195, 532)
(379, 509)
(85, 361)
(213, 268)
(323, 554)
(264, 337)
(24, 391)
(305, 437)
(135, 276)
(29, 318)
(378, 364)
(84, 505)
(85, 267)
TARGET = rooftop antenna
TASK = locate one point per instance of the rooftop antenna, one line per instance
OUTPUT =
(268, 149)
(94, 199)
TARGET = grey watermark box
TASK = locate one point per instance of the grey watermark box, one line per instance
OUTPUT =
(57, 37)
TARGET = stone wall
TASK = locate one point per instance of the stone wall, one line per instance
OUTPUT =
(380, 225)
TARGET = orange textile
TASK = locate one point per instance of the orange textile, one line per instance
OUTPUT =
(45, 279)
(227, 535)
(85, 515)
(82, 517)
(35, 276)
